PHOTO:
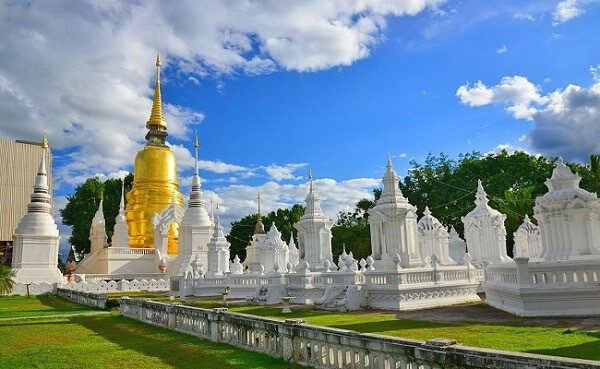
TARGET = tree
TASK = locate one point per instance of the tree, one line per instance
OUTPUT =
(243, 229)
(83, 204)
(6, 280)
(352, 230)
(512, 182)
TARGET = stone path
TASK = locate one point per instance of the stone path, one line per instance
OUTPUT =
(87, 313)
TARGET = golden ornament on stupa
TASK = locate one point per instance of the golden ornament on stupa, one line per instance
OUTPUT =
(154, 181)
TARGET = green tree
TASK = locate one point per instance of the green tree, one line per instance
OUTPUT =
(83, 204)
(6, 280)
(243, 229)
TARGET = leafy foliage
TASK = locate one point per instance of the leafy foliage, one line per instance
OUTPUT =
(243, 229)
(83, 204)
(6, 280)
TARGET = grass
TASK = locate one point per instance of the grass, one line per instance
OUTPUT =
(540, 340)
(109, 341)
(22, 306)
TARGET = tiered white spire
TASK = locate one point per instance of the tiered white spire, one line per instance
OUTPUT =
(98, 235)
(313, 201)
(121, 233)
(38, 219)
(391, 193)
(35, 247)
(260, 227)
(196, 214)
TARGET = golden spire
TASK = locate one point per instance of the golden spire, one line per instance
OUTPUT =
(156, 116)
(45, 141)
(259, 228)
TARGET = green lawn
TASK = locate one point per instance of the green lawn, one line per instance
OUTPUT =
(540, 340)
(15, 306)
(107, 341)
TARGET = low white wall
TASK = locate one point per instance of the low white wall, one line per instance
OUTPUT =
(152, 285)
(84, 298)
(322, 347)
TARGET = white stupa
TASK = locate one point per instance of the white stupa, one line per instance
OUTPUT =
(120, 236)
(35, 241)
(314, 232)
(195, 230)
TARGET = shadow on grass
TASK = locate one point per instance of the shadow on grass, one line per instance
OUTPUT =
(588, 350)
(175, 349)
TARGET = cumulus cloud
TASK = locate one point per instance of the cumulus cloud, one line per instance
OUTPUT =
(86, 71)
(565, 11)
(237, 200)
(565, 121)
(281, 172)
(517, 92)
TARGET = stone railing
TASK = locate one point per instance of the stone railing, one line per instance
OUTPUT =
(96, 300)
(543, 274)
(322, 347)
(123, 285)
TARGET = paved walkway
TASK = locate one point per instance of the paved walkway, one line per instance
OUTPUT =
(87, 313)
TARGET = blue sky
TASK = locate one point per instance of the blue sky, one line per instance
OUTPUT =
(276, 88)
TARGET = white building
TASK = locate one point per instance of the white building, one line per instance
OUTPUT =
(314, 232)
(457, 246)
(393, 222)
(528, 241)
(35, 242)
(564, 279)
(484, 231)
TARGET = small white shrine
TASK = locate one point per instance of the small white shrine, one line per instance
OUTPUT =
(218, 250)
(527, 240)
(433, 239)
(564, 278)
(484, 231)
(314, 232)
(393, 222)
(35, 242)
(457, 246)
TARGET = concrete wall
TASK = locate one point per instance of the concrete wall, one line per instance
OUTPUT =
(18, 167)
(322, 347)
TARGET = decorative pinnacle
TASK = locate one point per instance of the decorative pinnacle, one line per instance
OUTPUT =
(156, 115)
(258, 197)
(122, 204)
(196, 147)
(310, 177)
(427, 212)
(390, 164)
(44, 140)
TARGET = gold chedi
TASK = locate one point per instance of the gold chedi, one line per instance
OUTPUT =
(155, 180)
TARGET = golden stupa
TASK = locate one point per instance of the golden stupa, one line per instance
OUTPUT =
(154, 181)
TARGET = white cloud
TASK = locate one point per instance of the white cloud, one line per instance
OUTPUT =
(502, 50)
(185, 161)
(239, 200)
(84, 69)
(281, 172)
(516, 92)
(565, 121)
(565, 11)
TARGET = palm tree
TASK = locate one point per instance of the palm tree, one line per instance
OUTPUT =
(594, 182)
(6, 280)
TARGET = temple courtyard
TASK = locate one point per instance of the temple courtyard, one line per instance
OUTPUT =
(49, 332)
